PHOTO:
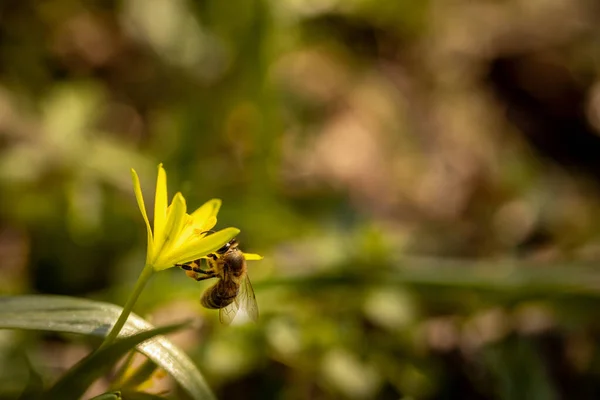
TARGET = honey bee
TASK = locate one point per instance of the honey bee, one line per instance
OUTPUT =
(233, 292)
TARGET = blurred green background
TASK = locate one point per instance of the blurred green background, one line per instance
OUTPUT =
(422, 178)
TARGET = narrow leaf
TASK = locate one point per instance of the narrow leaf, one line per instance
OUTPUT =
(127, 395)
(35, 384)
(77, 379)
(74, 315)
(121, 372)
(108, 396)
(142, 374)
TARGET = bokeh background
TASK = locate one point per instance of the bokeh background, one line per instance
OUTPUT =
(422, 178)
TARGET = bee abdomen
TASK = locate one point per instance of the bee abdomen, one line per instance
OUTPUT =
(219, 295)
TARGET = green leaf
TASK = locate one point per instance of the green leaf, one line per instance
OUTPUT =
(127, 395)
(35, 385)
(116, 395)
(74, 315)
(77, 379)
(119, 375)
(141, 375)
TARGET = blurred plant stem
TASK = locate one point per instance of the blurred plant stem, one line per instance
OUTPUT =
(137, 290)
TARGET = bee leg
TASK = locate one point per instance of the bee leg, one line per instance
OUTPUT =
(187, 267)
(203, 277)
(198, 274)
(212, 262)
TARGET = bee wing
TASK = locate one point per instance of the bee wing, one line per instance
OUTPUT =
(228, 313)
(248, 299)
(245, 301)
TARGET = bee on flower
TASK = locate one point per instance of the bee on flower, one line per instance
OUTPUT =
(184, 240)
(178, 237)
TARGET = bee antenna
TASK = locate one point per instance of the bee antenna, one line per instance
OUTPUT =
(209, 231)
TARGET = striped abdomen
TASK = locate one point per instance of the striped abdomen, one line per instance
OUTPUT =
(220, 294)
(232, 266)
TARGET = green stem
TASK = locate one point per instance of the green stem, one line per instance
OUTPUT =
(137, 290)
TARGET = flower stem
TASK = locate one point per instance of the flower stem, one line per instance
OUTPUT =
(137, 290)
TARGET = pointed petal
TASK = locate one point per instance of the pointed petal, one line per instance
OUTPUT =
(209, 224)
(206, 211)
(175, 221)
(160, 207)
(200, 221)
(252, 256)
(177, 216)
(202, 246)
(137, 188)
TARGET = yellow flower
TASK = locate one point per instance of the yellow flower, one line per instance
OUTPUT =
(178, 237)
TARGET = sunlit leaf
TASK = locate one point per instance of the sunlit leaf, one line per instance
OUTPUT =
(73, 315)
(76, 380)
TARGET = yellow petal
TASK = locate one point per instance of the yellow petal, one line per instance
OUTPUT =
(177, 216)
(209, 224)
(206, 211)
(137, 188)
(252, 256)
(160, 207)
(175, 221)
(200, 221)
(202, 246)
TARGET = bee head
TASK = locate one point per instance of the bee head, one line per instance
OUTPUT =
(231, 244)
